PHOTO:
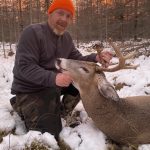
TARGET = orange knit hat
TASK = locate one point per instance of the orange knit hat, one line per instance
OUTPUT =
(62, 4)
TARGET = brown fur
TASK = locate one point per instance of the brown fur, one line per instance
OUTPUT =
(126, 121)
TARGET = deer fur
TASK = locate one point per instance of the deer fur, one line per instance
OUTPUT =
(124, 120)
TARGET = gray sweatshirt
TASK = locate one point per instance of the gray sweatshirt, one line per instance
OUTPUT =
(36, 53)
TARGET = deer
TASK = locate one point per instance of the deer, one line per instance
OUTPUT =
(123, 120)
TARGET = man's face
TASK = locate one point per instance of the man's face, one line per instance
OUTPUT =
(59, 20)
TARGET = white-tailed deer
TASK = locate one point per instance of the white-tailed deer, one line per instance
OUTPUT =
(124, 120)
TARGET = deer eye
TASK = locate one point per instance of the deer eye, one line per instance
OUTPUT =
(85, 69)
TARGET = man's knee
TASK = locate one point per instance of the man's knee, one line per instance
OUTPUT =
(13, 101)
(15, 106)
(45, 122)
(50, 123)
(41, 111)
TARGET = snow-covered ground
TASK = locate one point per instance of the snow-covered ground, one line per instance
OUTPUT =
(84, 136)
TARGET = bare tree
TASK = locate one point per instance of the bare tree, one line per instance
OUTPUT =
(30, 10)
(20, 16)
(2, 30)
(135, 18)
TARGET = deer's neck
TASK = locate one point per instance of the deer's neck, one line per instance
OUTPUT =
(95, 103)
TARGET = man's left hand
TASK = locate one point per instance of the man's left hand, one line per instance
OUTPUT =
(104, 58)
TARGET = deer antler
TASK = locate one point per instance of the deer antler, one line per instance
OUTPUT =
(98, 47)
(121, 58)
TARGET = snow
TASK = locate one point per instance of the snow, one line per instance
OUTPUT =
(137, 80)
(85, 136)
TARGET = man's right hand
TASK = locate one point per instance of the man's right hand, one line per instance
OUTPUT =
(63, 79)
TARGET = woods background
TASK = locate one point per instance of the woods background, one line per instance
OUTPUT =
(94, 20)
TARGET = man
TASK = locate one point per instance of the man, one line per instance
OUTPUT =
(37, 84)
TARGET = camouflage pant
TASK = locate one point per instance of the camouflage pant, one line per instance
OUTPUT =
(42, 110)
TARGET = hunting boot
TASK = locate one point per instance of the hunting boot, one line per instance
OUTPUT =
(68, 103)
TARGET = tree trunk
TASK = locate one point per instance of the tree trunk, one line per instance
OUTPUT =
(135, 19)
(20, 17)
(30, 10)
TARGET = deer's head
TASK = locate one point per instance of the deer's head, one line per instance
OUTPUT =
(86, 74)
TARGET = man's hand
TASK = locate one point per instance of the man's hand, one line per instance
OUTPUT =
(63, 79)
(104, 58)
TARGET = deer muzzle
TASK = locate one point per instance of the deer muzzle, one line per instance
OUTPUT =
(61, 64)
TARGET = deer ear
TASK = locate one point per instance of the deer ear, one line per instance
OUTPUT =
(107, 90)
